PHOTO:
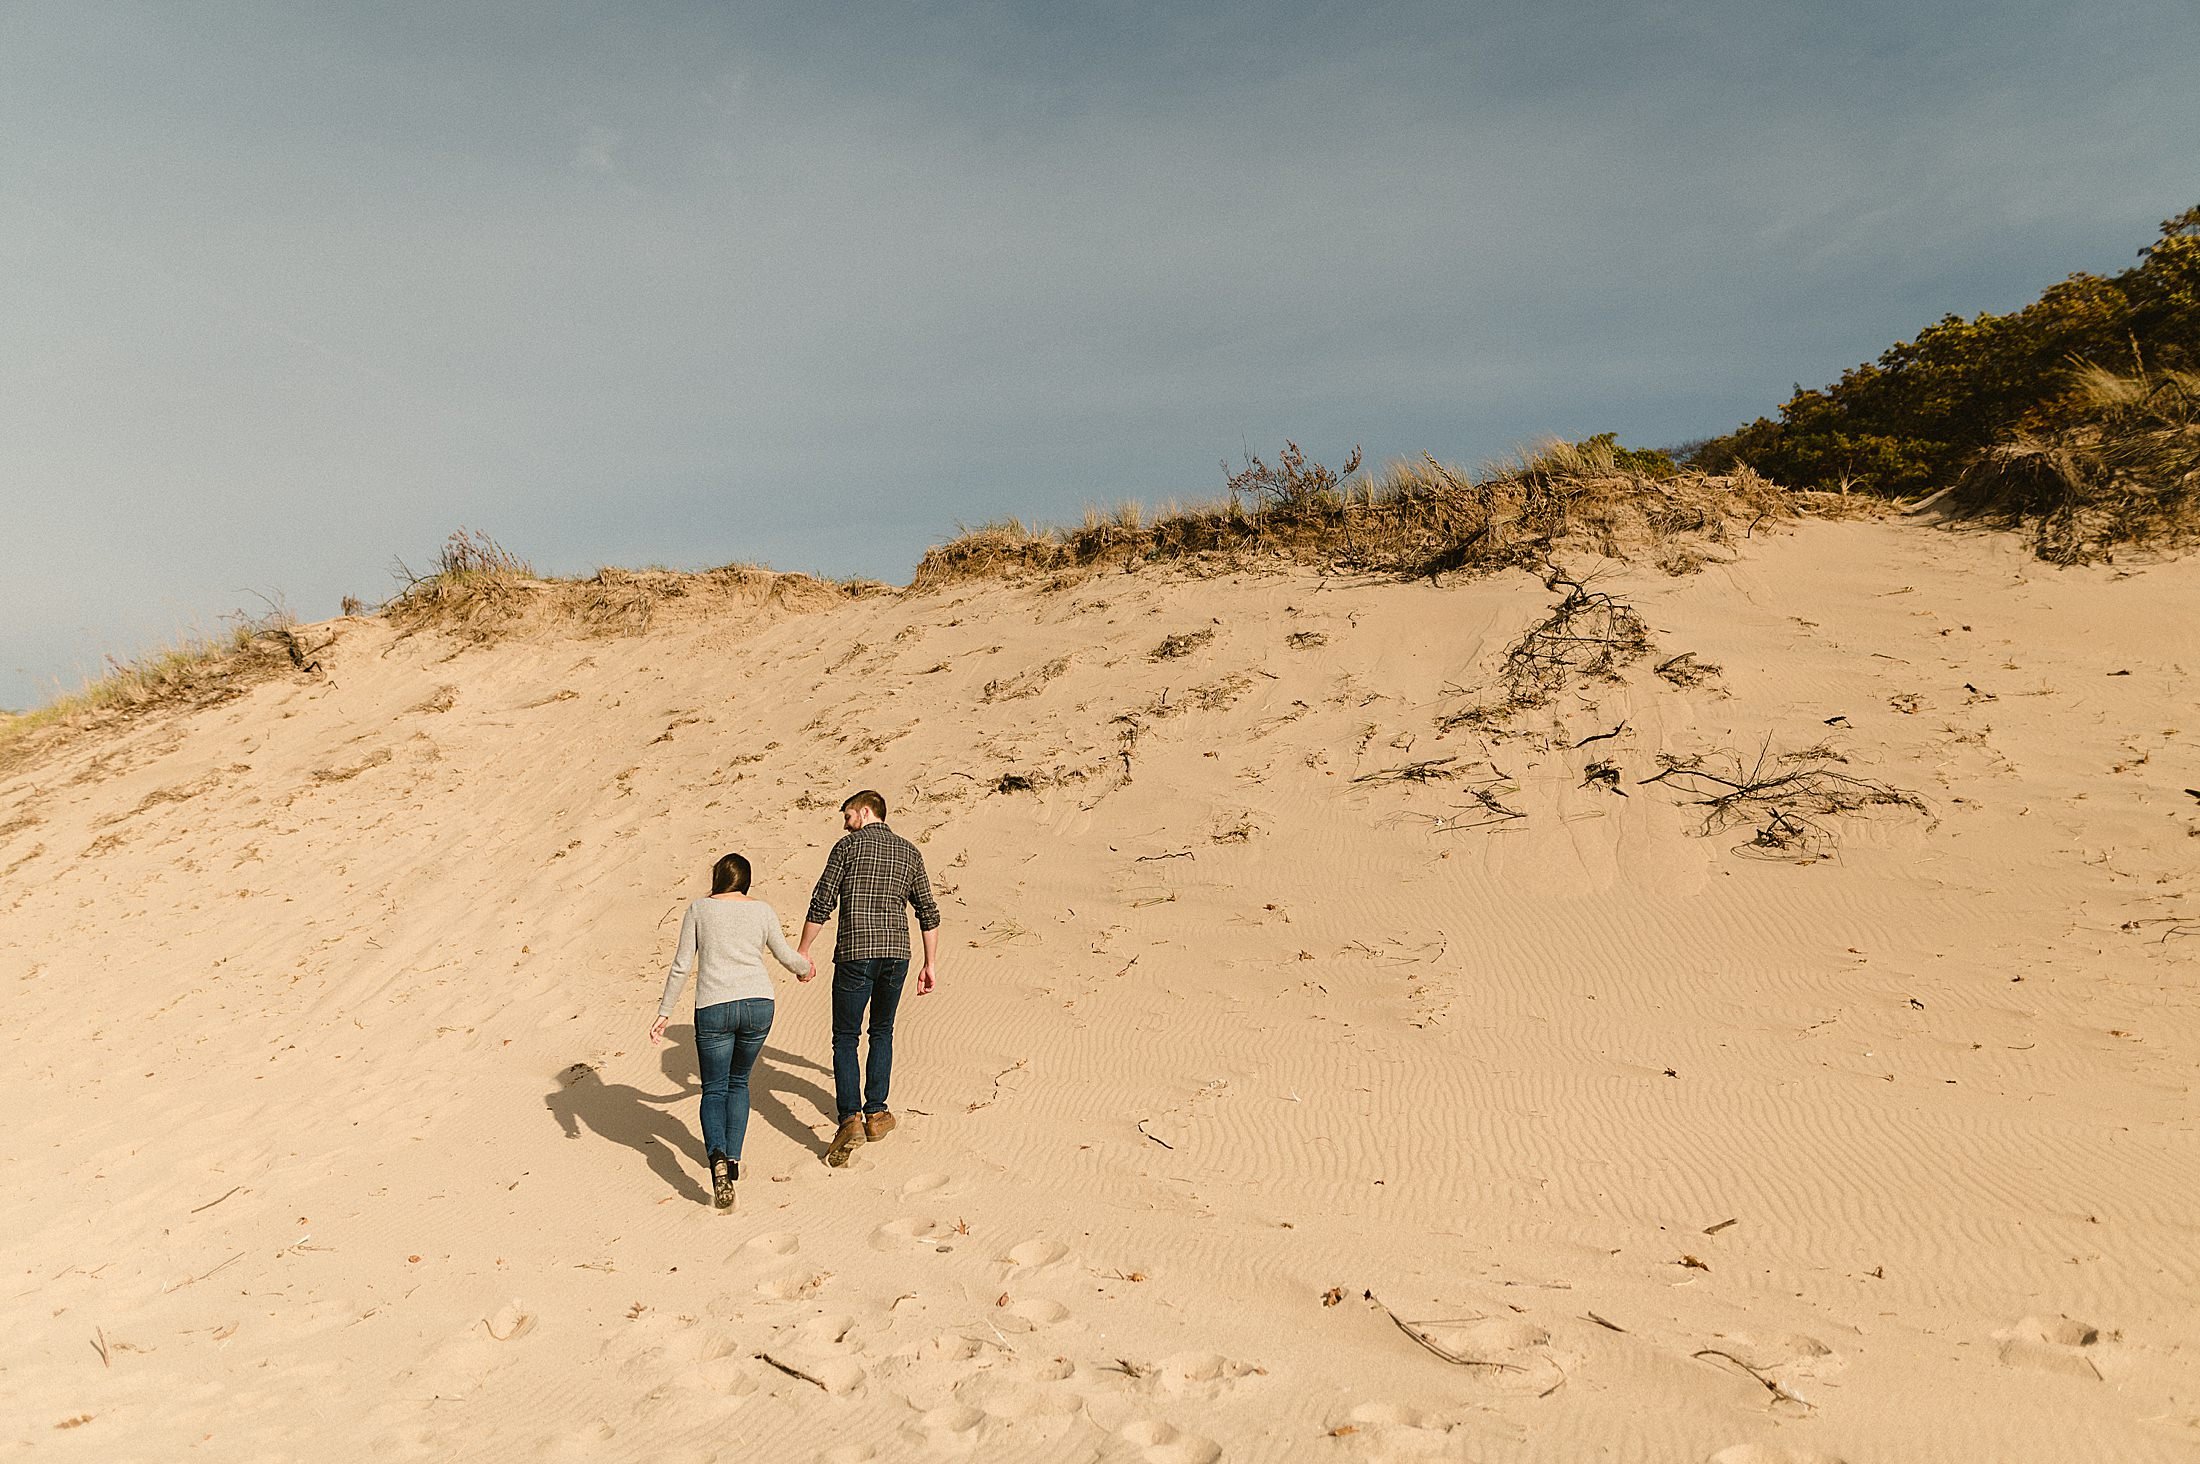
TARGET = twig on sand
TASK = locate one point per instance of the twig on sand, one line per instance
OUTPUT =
(1164, 1143)
(1602, 736)
(791, 1371)
(1179, 854)
(194, 1280)
(1774, 1386)
(1605, 1323)
(210, 1204)
(99, 1345)
(1438, 1349)
(995, 1097)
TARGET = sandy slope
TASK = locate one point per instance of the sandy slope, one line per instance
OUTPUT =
(1689, 1155)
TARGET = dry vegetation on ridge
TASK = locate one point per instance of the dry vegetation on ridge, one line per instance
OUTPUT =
(1421, 518)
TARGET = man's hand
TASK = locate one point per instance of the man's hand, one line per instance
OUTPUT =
(804, 952)
(924, 980)
(657, 1032)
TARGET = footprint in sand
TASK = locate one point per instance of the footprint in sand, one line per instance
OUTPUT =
(825, 1331)
(1200, 1374)
(1770, 1454)
(1395, 1430)
(932, 1183)
(1033, 1313)
(948, 1347)
(911, 1233)
(1165, 1443)
(1013, 1402)
(951, 1426)
(730, 1377)
(2052, 1344)
(773, 1243)
(1032, 1254)
(510, 1322)
(793, 1286)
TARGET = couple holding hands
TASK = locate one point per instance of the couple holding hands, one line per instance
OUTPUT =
(874, 877)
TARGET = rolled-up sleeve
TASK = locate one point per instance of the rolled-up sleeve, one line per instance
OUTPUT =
(827, 893)
(920, 898)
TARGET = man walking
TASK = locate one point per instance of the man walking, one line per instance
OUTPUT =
(874, 876)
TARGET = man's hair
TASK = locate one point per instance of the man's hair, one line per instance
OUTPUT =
(730, 876)
(868, 798)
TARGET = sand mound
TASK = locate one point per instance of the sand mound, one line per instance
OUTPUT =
(1316, 1072)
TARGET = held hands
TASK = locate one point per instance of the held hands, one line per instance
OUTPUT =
(811, 974)
(657, 1031)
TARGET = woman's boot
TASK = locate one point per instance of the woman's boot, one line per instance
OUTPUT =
(723, 1173)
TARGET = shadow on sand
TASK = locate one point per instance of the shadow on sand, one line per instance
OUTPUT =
(641, 1120)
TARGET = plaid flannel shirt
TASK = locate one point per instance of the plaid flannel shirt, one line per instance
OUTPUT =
(873, 875)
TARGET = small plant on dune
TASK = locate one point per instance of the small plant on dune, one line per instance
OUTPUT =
(1787, 802)
(1295, 484)
(1589, 635)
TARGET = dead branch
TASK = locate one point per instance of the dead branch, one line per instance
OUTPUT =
(1589, 635)
(1788, 800)
(1774, 1386)
(792, 1371)
(1438, 1349)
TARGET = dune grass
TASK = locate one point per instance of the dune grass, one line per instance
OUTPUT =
(2124, 473)
(195, 670)
(1416, 518)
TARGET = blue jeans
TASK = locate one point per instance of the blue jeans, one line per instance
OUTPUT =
(728, 1037)
(857, 984)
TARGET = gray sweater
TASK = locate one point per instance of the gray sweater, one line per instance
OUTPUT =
(723, 942)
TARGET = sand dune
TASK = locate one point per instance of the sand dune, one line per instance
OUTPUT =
(1282, 1099)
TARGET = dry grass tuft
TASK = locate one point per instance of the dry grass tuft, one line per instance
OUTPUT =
(481, 592)
(1419, 518)
(196, 671)
(2126, 473)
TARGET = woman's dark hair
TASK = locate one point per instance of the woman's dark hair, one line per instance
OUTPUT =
(730, 876)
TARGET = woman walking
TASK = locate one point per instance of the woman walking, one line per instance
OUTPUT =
(722, 940)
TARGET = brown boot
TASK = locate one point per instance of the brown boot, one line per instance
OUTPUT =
(846, 1142)
(878, 1125)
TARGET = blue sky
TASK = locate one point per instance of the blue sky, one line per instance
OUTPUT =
(292, 291)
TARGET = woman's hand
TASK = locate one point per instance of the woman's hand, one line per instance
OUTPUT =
(657, 1032)
(811, 974)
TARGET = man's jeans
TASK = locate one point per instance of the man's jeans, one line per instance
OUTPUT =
(728, 1036)
(857, 984)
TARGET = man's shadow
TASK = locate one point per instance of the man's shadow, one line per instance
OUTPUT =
(640, 1121)
(774, 1077)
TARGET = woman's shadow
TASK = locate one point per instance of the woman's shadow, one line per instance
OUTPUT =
(638, 1120)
